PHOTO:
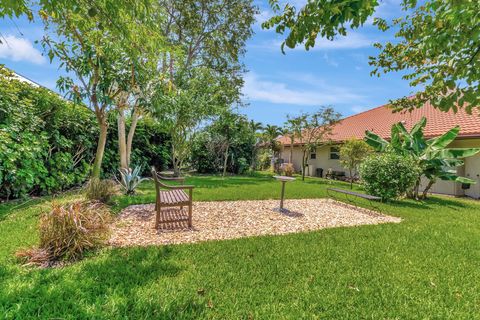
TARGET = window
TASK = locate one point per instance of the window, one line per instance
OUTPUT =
(313, 156)
(334, 153)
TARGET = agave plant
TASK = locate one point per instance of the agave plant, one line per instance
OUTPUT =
(436, 160)
(130, 179)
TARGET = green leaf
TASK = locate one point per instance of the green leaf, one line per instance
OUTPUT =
(375, 141)
(455, 153)
(444, 140)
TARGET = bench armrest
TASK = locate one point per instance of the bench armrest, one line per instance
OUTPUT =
(179, 187)
(170, 178)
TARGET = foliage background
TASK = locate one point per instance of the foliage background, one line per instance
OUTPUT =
(47, 143)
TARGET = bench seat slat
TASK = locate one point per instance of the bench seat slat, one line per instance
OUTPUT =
(173, 197)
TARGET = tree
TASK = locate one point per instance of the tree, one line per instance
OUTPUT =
(314, 130)
(324, 18)
(352, 153)
(230, 130)
(182, 108)
(255, 128)
(270, 136)
(434, 158)
(208, 36)
(437, 44)
(93, 42)
(293, 130)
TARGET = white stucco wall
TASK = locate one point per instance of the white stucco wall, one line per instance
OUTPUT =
(322, 160)
(471, 169)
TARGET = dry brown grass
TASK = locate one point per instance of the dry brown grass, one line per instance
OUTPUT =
(101, 190)
(67, 231)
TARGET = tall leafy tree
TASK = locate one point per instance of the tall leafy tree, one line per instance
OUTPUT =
(93, 41)
(270, 136)
(256, 128)
(352, 154)
(314, 130)
(318, 18)
(208, 37)
(437, 44)
(293, 130)
(182, 108)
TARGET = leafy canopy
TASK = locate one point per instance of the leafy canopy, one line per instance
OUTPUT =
(318, 18)
(437, 44)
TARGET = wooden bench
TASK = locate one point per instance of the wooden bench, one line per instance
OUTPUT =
(368, 197)
(168, 196)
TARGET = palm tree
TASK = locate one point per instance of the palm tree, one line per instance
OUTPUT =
(293, 130)
(270, 134)
(255, 127)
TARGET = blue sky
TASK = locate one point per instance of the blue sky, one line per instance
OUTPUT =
(333, 74)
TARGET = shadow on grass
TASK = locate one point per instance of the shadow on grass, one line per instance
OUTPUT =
(10, 207)
(114, 283)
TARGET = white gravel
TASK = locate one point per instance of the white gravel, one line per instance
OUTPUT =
(219, 220)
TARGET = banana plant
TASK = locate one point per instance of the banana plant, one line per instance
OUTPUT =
(433, 156)
(130, 179)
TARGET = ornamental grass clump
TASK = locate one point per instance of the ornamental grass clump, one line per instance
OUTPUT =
(67, 232)
(388, 175)
(101, 190)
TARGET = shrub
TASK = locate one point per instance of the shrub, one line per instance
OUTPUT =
(388, 175)
(130, 179)
(67, 231)
(101, 190)
(264, 160)
(288, 169)
(47, 143)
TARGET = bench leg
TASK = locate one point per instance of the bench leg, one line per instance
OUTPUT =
(190, 215)
(157, 215)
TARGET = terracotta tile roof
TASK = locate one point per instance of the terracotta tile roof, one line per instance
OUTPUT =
(380, 121)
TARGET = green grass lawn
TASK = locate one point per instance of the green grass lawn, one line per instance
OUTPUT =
(426, 267)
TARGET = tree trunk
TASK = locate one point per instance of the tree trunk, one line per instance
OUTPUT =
(122, 147)
(254, 158)
(351, 178)
(304, 162)
(291, 150)
(176, 169)
(131, 133)
(425, 192)
(102, 139)
(225, 161)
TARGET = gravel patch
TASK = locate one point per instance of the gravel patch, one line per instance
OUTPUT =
(219, 220)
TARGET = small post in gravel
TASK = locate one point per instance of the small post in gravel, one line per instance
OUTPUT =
(283, 180)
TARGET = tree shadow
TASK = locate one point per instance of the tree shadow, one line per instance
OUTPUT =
(87, 288)
(8, 208)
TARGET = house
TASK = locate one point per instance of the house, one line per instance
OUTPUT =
(380, 120)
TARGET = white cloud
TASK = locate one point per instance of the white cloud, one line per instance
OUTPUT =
(20, 49)
(329, 60)
(358, 109)
(319, 93)
(353, 40)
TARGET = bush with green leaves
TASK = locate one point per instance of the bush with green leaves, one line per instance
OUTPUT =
(434, 156)
(234, 140)
(47, 144)
(388, 175)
